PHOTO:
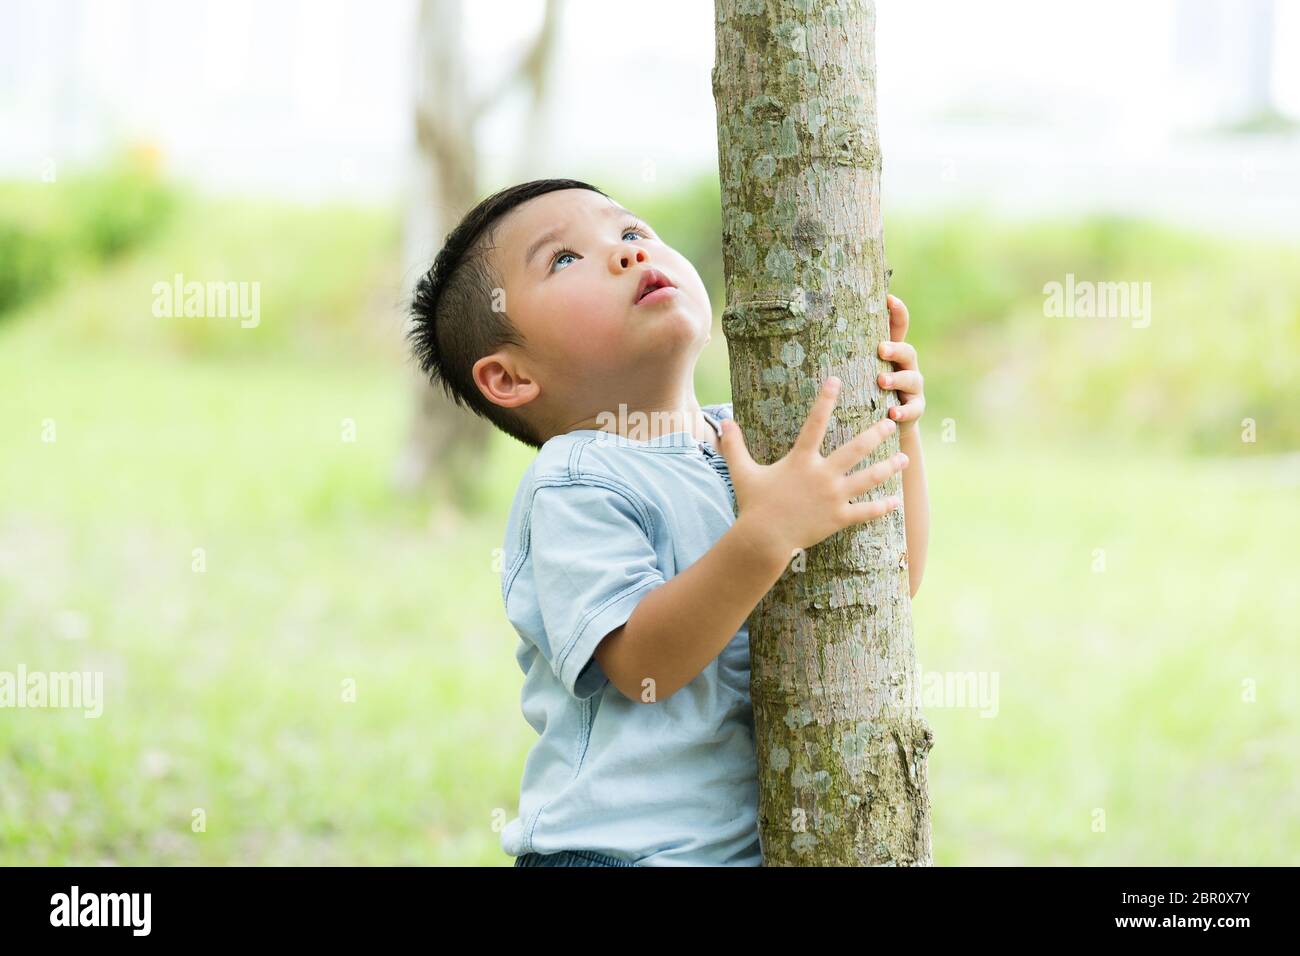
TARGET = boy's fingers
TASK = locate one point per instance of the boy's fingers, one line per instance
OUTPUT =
(902, 354)
(909, 411)
(813, 432)
(860, 446)
(733, 447)
(897, 318)
(905, 381)
(861, 511)
(866, 479)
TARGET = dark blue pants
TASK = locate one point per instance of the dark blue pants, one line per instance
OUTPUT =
(569, 858)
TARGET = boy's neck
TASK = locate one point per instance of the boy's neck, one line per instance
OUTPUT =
(644, 424)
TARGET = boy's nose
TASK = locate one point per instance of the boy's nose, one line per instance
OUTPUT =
(626, 257)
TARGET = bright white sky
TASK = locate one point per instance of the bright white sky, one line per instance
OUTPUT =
(312, 97)
(1100, 65)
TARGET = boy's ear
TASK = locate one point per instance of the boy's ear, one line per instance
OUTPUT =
(503, 381)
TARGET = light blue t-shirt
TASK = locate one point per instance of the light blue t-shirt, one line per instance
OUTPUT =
(599, 521)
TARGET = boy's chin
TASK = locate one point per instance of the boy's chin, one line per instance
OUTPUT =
(675, 345)
(677, 322)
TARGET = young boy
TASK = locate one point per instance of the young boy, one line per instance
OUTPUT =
(643, 534)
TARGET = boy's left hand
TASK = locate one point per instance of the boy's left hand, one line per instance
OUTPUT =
(906, 380)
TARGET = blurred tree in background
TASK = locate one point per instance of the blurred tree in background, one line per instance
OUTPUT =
(446, 443)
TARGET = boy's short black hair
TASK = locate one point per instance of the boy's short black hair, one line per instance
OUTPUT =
(453, 320)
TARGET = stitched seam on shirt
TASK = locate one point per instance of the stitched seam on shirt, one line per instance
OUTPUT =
(585, 720)
(643, 515)
(600, 481)
(682, 449)
(572, 642)
(684, 446)
(525, 529)
(647, 527)
(575, 454)
(525, 546)
(629, 494)
(508, 579)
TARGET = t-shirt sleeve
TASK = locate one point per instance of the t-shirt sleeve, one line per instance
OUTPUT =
(593, 560)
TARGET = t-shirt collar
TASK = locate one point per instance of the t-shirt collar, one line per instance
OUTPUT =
(671, 440)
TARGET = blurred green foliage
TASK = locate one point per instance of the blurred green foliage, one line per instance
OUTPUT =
(29, 264)
(1218, 351)
(1217, 348)
(119, 207)
(76, 222)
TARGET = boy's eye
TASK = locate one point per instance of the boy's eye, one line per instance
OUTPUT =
(636, 229)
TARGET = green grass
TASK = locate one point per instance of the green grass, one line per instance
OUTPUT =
(224, 688)
(1120, 691)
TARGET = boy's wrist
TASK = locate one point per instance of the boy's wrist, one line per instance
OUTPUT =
(763, 544)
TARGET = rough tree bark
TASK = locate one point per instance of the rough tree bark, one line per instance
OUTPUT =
(840, 739)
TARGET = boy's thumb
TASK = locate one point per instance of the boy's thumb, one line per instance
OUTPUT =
(732, 442)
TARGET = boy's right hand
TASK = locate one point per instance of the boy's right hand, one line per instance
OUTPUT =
(804, 498)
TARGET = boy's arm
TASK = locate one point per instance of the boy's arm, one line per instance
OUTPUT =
(677, 628)
(916, 503)
(686, 622)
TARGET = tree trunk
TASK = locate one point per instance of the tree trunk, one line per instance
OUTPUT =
(841, 741)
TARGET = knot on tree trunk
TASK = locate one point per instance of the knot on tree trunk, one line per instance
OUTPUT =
(924, 739)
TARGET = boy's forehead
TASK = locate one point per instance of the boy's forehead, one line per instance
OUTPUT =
(549, 208)
(550, 212)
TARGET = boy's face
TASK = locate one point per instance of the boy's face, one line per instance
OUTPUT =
(589, 344)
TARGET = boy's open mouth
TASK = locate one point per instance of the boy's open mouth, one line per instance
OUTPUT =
(652, 280)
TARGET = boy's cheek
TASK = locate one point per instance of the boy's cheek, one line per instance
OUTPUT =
(594, 343)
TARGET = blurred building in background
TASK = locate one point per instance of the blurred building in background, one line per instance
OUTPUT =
(1021, 106)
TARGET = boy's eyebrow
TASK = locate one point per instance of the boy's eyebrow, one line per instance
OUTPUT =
(556, 233)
